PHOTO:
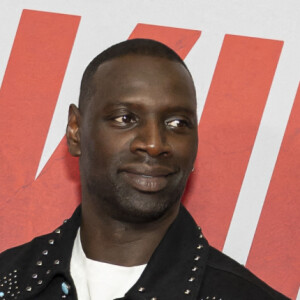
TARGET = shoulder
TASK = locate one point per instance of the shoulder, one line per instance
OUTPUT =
(19, 256)
(47, 245)
(27, 270)
(19, 264)
(227, 279)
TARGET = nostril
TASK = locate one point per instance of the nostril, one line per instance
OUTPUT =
(141, 147)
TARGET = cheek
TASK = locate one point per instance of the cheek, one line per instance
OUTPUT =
(107, 148)
(185, 151)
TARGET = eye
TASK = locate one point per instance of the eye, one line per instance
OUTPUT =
(125, 119)
(177, 123)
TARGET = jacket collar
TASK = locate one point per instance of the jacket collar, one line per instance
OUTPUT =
(175, 270)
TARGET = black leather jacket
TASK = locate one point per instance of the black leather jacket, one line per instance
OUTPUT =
(183, 267)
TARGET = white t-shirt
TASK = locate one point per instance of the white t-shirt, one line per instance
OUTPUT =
(96, 280)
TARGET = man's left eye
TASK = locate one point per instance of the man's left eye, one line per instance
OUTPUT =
(177, 123)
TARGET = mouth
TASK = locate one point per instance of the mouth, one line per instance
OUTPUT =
(146, 178)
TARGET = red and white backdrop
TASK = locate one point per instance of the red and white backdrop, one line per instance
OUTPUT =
(245, 60)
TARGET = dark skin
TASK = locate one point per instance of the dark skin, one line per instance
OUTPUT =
(137, 142)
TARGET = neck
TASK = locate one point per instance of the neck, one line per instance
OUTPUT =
(122, 243)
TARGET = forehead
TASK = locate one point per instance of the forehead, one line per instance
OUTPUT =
(138, 77)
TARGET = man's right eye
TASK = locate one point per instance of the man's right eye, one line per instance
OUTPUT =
(125, 119)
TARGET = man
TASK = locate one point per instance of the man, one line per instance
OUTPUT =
(135, 132)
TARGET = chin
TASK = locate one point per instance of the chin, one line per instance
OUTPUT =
(136, 206)
(145, 208)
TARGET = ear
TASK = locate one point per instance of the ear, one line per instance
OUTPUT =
(73, 134)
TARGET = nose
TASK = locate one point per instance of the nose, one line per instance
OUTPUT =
(151, 139)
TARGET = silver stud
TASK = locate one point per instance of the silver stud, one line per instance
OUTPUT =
(191, 279)
(153, 298)
(40, 282)
(141, 289)
(15, 276)
(207, 297)
(64, 296)
(45, 252)
(214, 298)
(56, 262)
(39, 262)
(51, 242)
(199, 246)
(199, 227)
(200, 236)
(15, 271)
(9, 274)
(57, 230)
(187, 292)
(197, 257)
(48, 272)
(194, 269)
(28, 289)
(65, 221)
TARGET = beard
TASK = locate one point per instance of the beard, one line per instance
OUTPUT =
(124, 203)
(107, 190)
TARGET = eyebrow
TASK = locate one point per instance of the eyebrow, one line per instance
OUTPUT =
(126, 104)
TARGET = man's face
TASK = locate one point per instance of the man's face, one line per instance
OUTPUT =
(138, 137)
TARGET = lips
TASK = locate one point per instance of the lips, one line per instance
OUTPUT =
(146, 178)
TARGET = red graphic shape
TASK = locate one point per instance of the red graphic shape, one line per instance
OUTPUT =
(228, 128)
(179, 39)
(275, 255)
(28, 96)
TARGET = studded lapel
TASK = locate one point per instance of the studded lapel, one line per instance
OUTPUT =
(176, 268)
